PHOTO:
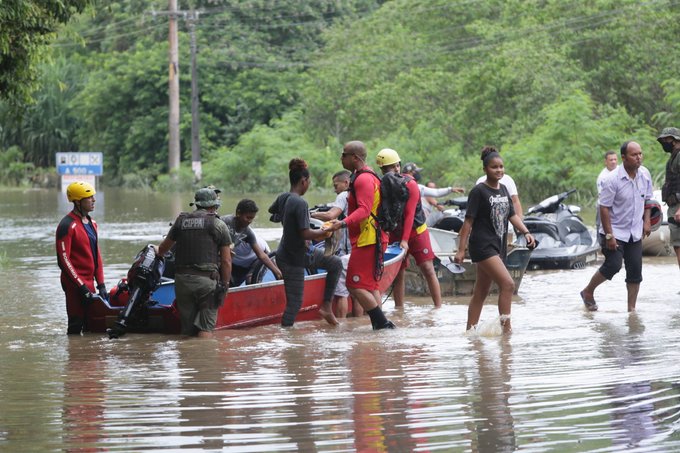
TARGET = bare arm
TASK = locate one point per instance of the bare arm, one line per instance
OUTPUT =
(606, 221)
(332, 213)
(516, 221)
(310, 234)
(463, 237)
(267, 261)
(225, 264)
(517, 206)
(165, 246)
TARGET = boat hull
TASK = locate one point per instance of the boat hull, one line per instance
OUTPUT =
(658, 243)
(445, 244)
(245, 306)
(462, 284)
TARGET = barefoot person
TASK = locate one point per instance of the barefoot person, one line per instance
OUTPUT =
(623, 222)
(485, 231)
(294, 254)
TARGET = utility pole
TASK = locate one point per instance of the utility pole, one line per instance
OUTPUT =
(195, 124)
(173, 90)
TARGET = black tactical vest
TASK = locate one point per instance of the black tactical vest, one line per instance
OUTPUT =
(196, 242)
(671, 188)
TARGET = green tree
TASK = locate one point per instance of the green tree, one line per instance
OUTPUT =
(26, 26)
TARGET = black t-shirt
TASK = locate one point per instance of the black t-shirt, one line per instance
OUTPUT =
(294, 218)
(490, 210)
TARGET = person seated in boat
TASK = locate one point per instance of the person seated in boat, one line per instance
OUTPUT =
(412, 233)
(247, 249)
(294, 254)
(485, 230)
(338, 210)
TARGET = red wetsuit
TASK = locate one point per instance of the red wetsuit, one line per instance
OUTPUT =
(80, 262)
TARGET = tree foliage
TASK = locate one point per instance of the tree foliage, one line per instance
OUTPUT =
(434, 79)
(26, 26)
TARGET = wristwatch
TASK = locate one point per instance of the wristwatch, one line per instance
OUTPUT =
(608, 236)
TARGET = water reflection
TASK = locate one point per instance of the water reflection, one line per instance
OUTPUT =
(632, 400)
(85, 376)
(493, 426)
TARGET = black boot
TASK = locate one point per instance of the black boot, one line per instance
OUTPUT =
(387, 325)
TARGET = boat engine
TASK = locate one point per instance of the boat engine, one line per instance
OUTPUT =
(143, 278)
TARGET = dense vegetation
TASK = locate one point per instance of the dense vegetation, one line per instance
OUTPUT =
(554, 84)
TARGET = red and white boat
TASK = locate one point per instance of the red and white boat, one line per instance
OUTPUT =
(244, 306)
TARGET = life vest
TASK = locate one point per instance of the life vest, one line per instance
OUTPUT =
(368, 227)
(197, 239)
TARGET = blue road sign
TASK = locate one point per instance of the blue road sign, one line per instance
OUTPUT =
(80, 163)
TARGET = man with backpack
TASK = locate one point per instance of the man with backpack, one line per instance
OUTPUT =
(368, 241)
(401, 202)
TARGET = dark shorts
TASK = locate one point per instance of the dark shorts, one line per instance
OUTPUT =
(629, 253)
(480, 252)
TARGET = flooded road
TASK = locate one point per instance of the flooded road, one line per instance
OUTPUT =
(565, 380)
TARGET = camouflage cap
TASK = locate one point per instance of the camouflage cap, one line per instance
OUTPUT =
(669, 132)
(206, 198)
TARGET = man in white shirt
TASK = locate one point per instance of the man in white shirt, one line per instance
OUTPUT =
(611, 161)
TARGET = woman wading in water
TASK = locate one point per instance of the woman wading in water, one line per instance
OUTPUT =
(485, 232)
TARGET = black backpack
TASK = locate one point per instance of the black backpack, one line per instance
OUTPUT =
(393, 197)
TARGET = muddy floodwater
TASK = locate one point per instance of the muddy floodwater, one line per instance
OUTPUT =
(564, 380)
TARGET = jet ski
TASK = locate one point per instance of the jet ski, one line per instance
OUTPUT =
(564, 241)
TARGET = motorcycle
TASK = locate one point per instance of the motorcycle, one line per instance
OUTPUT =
(564, 241)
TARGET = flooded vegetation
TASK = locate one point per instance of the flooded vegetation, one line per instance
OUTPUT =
(564, 380)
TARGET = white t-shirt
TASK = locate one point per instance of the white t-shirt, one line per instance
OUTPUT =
(601, 177)
(507, 181)
(341, 201)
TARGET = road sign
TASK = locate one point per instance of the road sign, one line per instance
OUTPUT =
(80, 163)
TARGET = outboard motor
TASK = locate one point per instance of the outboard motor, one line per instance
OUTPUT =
(143, 278)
